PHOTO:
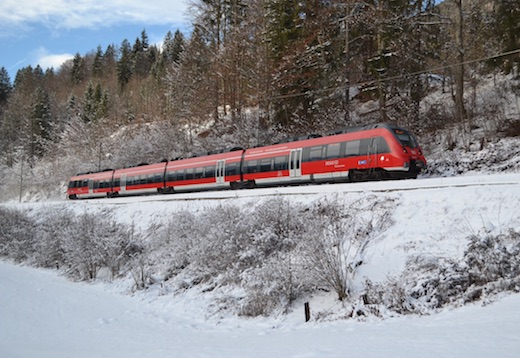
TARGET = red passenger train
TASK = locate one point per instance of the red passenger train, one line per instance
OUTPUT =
(371, 152)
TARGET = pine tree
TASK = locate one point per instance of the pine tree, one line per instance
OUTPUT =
(143, 56)
(78, 69)
(40, 124)
(95, 103)
(97, 65)
(5, 87)
(124, 65)
(173, 46)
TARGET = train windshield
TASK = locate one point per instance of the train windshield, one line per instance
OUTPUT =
(406, 139)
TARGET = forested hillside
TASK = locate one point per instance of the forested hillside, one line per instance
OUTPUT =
(252, 71)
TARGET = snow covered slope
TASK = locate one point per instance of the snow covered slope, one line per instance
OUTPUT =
(46, 316)
(43, 315)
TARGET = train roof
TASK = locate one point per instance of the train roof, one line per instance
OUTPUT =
(362, 128)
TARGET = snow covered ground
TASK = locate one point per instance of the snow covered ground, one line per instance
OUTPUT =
(44, 315)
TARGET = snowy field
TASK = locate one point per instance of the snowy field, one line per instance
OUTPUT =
(45, 315)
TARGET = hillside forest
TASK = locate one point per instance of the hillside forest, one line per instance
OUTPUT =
(251, 72)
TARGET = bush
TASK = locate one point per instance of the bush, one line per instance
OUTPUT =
(94, 241)
(491, 264)
(16, 235)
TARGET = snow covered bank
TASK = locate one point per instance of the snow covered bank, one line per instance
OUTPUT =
(427, 220)
(44, 315)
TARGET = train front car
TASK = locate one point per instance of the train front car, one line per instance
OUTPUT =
(406, 159)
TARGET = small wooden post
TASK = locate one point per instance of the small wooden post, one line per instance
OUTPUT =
(307, 312)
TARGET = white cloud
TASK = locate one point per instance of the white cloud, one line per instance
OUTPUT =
(47, 60)
(74, 14)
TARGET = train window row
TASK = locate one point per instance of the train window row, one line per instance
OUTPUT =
(201, 172)
(266, 165)
(354, 148)
(153, 178)
(78, 184)
(102, 184)
(377, 145)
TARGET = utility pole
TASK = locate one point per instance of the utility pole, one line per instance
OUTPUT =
(347, 64)
(21, 180)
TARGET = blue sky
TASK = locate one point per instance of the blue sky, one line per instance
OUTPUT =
(48, 32)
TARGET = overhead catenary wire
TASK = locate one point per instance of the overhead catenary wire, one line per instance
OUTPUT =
(398, 77)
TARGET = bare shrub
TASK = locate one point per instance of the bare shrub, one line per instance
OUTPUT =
(490, 265)
(93, 241)
(16, 234)
(175, 244)
(338, 237)
(224, 237)
(51, 227)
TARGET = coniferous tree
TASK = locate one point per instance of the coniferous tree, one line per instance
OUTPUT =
(97, 65)
(109, 59)
(125, 64)
(95, 103)
(40, 124)
(5, 87)
(173, 47)
(142, 61)
(78, 69)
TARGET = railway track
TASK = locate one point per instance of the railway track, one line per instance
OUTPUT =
(319, 189)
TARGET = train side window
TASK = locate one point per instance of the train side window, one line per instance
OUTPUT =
(198, 173)
(209, 172)
(333, 151)
(364, 146)
(266, 165)
(231, 169)
(381, 145)
(252, 166)
(281, 163)
(316, 153)
(306, 154)
(189, 173)
(117, 182)
(352, 148)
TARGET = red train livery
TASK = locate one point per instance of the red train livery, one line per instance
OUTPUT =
(371, 152)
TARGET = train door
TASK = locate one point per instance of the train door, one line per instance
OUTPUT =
(123, 183)
(91, 186)
(295, 163)
(373, 149)
(220, 172)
